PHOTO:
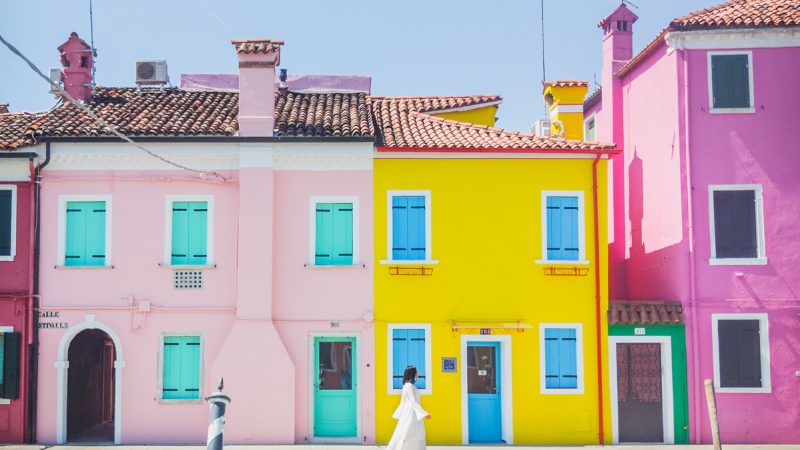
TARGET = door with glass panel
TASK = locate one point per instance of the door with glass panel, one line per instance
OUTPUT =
(335, 386)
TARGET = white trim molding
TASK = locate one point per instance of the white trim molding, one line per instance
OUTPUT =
(734, 38)
(581, 228)
(62, 367)
(667, 404)
(312, 228)
(428, 226)
(709, 66)
(763, 333)
(160, 369)
(506, 397)
(761, 256)
(13, 237)
(357, 439)
(426, 327)
(168, 201)
(565, 108)
(62, 226)
(578, 327)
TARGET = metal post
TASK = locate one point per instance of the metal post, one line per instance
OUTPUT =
(712, 413)
(216, 422)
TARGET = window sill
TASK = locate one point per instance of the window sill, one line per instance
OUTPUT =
(406, 262)
(761, 390)
(737, 261)
(7, 258)
(83, 267)
(575, 391)
(5, 401)
(335, 266)
(566, 263)
(180, 401)
(732, 110)
(187, 266)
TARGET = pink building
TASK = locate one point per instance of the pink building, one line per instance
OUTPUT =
(248, 262)
(706, 201)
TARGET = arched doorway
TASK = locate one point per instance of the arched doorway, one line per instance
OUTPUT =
(90, 387)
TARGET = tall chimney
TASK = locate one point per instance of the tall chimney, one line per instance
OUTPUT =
(76, 60)
(257, 61)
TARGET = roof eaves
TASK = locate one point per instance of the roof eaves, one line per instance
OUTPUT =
(642, 55)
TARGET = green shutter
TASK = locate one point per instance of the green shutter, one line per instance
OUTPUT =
(323, 254)
(334, 234)
(85, 234)
(6, 214)
(181, 378)
(9, 384)
(730, 80)
(189, 233)
(2, 355)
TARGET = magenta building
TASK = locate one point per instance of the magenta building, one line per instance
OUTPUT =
(706, 200)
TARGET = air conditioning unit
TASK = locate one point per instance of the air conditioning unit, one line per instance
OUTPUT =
(55, 78)
(151, 72)
(541, 127)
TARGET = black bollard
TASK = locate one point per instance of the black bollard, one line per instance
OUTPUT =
(216, 423)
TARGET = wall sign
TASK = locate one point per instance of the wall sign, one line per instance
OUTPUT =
(639, 331)
(51, 315)
(449, 364)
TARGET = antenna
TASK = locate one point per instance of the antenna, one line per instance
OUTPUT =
(91, 39)
(544, 73)
(629, 2)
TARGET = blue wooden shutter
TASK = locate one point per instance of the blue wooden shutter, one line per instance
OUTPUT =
(563, 229)
(408, 228)
(189, 233)
(551, 363)
(730, 81)
(416, 356)
(85, 234)
(5, 223)
(400, 343)
(400, 242)
(181, 378)
(561, 363)
(408, 349)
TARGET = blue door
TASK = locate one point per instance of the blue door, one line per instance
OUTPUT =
(483, 392)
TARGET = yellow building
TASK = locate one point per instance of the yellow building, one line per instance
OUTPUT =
(490, 276)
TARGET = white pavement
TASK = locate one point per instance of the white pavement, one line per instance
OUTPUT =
(432, 447)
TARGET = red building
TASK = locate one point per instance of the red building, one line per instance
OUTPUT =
(17, 218)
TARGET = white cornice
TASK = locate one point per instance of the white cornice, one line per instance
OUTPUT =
(735, 38)
(15, 170)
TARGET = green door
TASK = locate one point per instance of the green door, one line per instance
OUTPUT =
(335, 387)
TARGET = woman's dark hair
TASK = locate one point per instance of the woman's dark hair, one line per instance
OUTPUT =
(410, 375)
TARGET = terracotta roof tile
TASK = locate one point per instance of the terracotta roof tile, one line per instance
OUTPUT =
(565, 83)
(406, 123)
(322, 115)
(644, 312)
(742, 14)
(13, 129)
(256, 45)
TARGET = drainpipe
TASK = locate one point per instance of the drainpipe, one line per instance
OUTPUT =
(597, 302)
(28, 437)
(34, 348)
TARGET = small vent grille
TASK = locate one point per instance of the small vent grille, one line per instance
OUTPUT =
(188, 279)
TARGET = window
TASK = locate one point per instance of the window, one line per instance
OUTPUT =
(730, 81)
(589, 134)
(8, 222)
(737, 225)
(85, 233)
(563, 235)
(189, 230)
(9, 363)
(333, 238)
(409, 226)
(409, 345)
(741, 352)
(561, 358)
(182, 369)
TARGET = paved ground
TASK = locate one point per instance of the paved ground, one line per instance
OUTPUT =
(372, 447)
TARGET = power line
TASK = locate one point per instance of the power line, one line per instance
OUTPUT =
(91, 39)
(544, 75)
(102, 122)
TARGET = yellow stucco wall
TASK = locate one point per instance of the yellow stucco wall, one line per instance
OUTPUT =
(486, 235)
(567, 95)
(477, 116)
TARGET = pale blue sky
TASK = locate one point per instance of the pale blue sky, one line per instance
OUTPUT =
(408, 47)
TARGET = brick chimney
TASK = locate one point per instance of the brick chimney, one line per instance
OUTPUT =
(76, 60)
(565, 100)
(258, 59)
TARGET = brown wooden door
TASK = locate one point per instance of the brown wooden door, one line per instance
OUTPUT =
(639, 393)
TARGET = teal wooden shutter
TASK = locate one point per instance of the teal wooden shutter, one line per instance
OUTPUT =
(323, 254)
(189, 233)
(408, 228)
(181, 378)
(561, 363)
(85, 234)
(10, 365)
(342, 233)
(408, 349)
(5, 223)
(562, 229)
(730, 81)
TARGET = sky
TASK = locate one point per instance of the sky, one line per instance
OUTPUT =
(408, 47)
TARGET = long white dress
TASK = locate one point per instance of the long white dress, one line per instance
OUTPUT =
(410, 431)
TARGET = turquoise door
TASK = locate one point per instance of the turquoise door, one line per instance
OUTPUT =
(335, 387)
(483, 392)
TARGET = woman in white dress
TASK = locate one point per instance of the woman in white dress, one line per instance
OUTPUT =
(410, 431)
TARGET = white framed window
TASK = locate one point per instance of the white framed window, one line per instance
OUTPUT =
(741, 353)
(189, 231)
(333, 231)
(590, 128)
(409, 344)
(8, 222)
(563, 228)
(736, 221)
(180, 367)
(408, 225)
(730, 82)
(84, 231)
(561, 358)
